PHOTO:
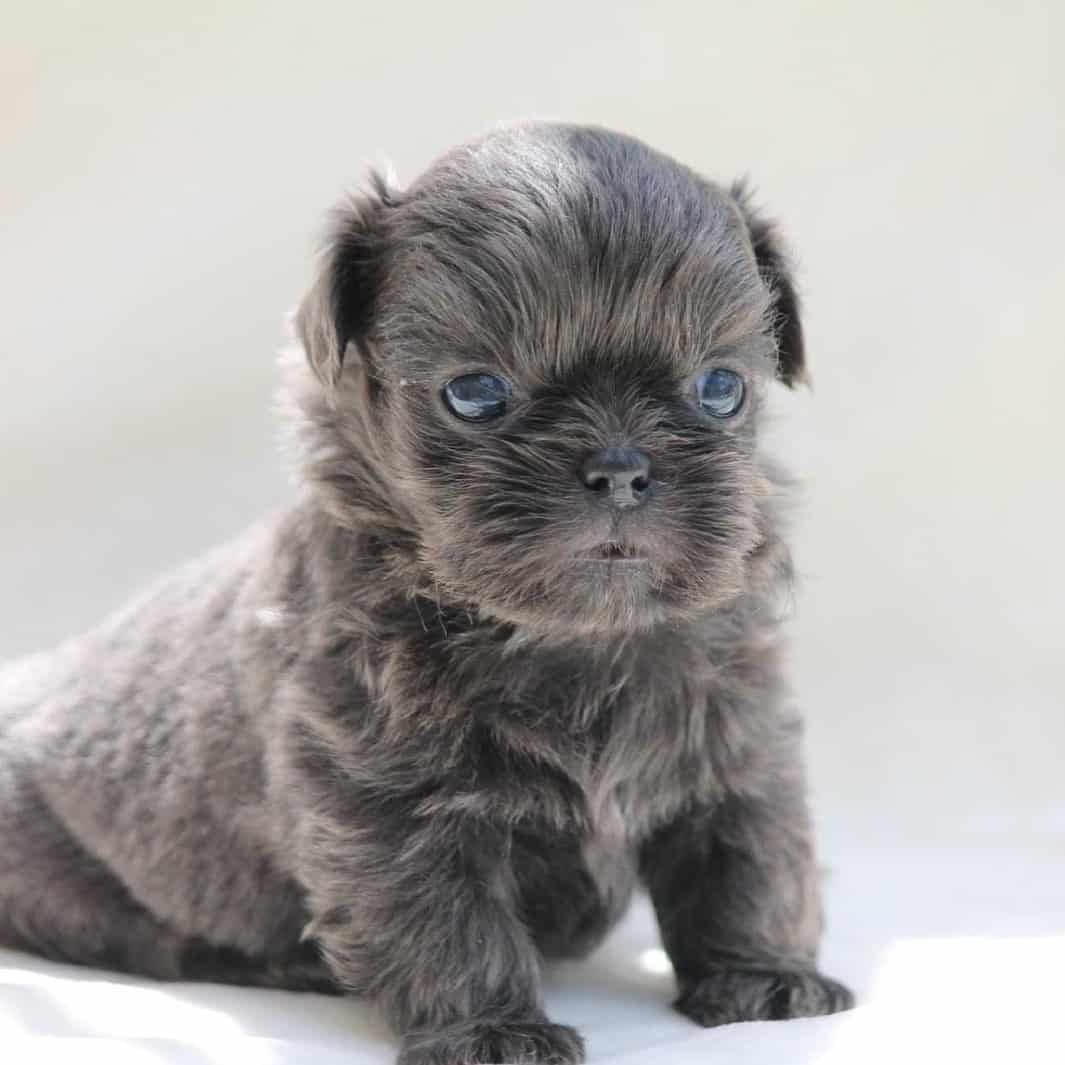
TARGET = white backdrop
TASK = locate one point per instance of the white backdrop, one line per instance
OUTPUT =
(165, 171)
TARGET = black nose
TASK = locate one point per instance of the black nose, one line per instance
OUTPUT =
(618, 476)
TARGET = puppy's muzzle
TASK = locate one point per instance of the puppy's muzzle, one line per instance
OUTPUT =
(618, 477)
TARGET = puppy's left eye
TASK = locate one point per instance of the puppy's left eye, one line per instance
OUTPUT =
(477, 397)
(720, 392)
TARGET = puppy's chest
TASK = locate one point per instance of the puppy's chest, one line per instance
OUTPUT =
(586, 738)
(633, 737)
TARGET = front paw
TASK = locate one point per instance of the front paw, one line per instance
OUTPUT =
(481, 1043)
(726, 995)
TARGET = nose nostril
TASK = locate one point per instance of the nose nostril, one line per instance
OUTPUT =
(618, 476)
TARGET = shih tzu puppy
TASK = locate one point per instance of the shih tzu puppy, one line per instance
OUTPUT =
(514, 652)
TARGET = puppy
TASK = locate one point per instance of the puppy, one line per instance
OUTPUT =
(513, 653)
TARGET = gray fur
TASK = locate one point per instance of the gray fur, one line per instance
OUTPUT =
(400, 741)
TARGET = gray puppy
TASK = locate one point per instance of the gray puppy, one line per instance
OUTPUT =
(514, 651)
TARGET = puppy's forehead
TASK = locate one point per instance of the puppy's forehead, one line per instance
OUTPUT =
(539, 248)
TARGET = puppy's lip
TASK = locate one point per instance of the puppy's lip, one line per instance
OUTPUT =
(613, 551)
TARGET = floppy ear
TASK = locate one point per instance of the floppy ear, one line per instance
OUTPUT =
(337, 311)
(775, 269)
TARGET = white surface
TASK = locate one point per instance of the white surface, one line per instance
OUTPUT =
(956, 957)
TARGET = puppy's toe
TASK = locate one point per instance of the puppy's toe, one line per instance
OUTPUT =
(522, 1042)
(725, 996)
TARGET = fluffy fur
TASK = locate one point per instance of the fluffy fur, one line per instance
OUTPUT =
(409, 738)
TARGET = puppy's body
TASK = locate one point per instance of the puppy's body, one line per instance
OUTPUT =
(253, 711)
(440, 718)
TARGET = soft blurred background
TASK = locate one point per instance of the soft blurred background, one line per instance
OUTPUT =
(165, 169)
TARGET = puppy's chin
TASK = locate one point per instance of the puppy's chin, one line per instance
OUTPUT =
(592, 597)
(598, 593)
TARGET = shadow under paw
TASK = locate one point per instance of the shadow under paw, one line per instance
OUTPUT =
(725, 996)
(520, 1043)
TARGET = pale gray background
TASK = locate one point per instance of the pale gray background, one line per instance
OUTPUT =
(164, 172)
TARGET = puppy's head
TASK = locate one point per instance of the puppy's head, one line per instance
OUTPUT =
(545, 361)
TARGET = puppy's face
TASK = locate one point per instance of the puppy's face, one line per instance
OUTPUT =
(561, 341)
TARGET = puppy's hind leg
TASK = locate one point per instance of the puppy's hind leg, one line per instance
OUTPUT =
(300, 968)
(58, 901)
(570, 895)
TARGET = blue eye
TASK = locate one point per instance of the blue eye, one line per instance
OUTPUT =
(720, 392)
(477, 397)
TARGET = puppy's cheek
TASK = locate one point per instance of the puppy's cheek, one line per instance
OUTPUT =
(709, 526)
(486, 524)
(714, 570)
(485, 564)
(434, 472)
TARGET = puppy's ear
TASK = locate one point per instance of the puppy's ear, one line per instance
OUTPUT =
(775, 269)
(336, 313)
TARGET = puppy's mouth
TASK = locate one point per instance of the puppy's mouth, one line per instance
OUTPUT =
(613, 551)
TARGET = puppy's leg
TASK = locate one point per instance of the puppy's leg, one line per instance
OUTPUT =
(299, 969)
(419, 913)
(57, 900)
(735, 890)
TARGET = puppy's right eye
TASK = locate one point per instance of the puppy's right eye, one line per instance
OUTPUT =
(477, 397)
